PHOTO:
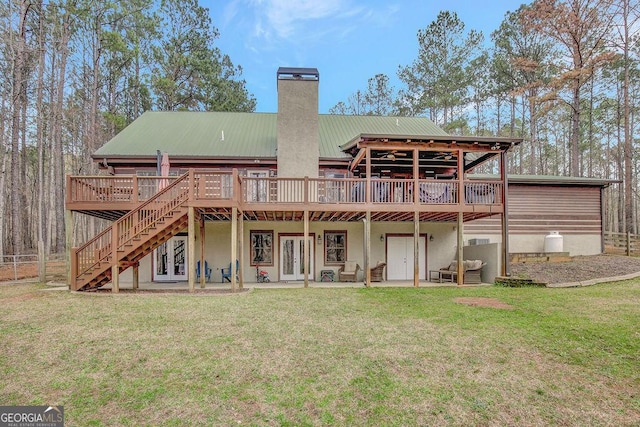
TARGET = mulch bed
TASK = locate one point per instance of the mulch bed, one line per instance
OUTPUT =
(578, 269)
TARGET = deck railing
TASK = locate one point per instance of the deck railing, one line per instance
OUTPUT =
(100, 249)
(269, 190)
(483, 192)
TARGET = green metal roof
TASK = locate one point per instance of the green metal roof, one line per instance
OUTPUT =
(550, 180)
(195, 134)
(336, 130)
(253, 135)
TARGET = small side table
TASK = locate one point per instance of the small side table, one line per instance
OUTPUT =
(326, 275)
(434, 275)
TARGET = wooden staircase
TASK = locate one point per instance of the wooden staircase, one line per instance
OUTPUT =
(132, 237)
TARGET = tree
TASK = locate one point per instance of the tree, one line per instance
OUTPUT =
(628, 16)
(379, 95)
(378, 100)
(437, 83)
(189, 73)
(19, 52)
(580, 27)
(524, 68)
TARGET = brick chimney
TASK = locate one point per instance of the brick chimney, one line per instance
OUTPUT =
(297, 129)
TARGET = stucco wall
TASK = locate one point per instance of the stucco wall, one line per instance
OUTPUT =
(489, 254)
(440, 251)
(297, 128)
(574, 244)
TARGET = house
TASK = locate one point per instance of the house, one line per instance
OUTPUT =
(261, 190)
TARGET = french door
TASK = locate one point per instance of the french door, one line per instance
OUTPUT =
(170, 260)
(400, 257)
(292, 258)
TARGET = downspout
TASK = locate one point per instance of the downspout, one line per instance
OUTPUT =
(505, 215)
(366, 222)
(602, 220)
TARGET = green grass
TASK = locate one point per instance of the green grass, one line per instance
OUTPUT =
(291, 357)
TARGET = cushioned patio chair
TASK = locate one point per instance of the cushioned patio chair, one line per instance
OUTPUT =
(348, 272)
(472, 272)
(376, 272)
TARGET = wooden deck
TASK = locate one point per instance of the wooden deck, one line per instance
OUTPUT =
(325, 199)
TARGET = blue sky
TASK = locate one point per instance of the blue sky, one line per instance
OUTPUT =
(348, 41)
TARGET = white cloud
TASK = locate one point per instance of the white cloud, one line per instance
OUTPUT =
(285, 16)
(307, 20)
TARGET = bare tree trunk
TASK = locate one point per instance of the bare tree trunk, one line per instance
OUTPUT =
(534, 133)
(58, 242)
(628, 153)
(574, 163)
(18, 89)
(25, 240)
(40, 124)
(5, 157)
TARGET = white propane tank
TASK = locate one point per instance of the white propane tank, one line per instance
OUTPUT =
(553, 242)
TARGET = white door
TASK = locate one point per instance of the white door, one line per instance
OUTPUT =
(400, 257)
(170, 260)
(291, 258)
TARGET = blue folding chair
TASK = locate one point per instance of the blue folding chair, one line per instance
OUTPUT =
(207, 271)
(226, 272)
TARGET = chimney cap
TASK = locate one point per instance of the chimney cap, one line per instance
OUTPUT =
(293, 73)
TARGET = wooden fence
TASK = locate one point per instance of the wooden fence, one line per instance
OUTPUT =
(621, 243)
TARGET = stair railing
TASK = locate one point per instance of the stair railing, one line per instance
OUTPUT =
(100, 249)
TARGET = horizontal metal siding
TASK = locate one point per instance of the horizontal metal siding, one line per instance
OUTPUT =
(540, 209)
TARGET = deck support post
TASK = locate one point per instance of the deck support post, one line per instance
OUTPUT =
(241, 249)
(460, 250)
(136, 276)
(203, 271)
(367, 250)
(367, 196)
(115, 278)
(191, 247)
(306, 249)
(115, 270)
(234, 247)
(70, 253)
(416, 249)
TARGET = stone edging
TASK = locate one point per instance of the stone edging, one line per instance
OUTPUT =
(594, 281)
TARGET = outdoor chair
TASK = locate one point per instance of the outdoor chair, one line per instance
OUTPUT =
(376, 272)
(472, 271)
(349, 272)
(226, 272)
(207, 271)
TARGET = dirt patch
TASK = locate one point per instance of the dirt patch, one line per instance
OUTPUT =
(484, 302)
(20, 298)
(578, 269)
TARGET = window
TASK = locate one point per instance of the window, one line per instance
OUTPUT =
(335, 247)
(261, 247)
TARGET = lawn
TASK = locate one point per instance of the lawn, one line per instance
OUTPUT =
(380, 356)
